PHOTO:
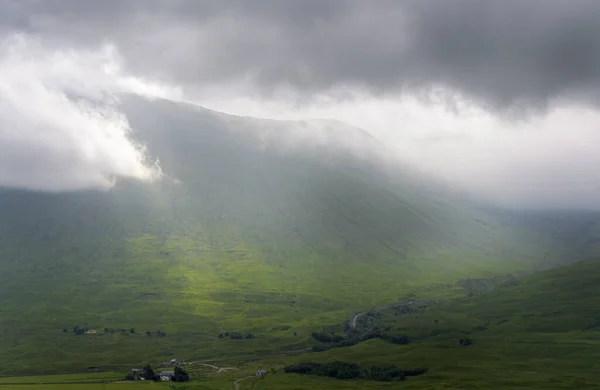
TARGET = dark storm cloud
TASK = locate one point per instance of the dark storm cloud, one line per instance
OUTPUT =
(502, 54)
(498, 53)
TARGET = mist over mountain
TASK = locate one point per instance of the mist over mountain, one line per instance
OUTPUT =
(244, 207)
(404, 191)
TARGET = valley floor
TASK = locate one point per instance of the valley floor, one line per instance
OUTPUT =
(536, 332)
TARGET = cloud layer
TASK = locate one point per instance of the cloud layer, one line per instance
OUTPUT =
(545, 161)
(437, 81)
(504, 54)
(58, 127)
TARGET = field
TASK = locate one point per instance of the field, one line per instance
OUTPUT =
(88, 386)
(90, 381)
(539, 331)
(535, 331)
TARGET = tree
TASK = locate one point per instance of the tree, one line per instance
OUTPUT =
(148, 372)
(131, 330)
(180, 375)
(465, 342)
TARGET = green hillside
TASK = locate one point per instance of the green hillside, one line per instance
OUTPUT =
(537, 332)
(251, 231)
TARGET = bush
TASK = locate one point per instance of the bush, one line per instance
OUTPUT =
(378, 373)
(322, 337)
(415, 372)
(465, 342)
(345, 370)
(235, 335)
(337, 369)
(180, 375)
(398, 339)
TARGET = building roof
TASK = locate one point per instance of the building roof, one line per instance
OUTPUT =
(166, 373)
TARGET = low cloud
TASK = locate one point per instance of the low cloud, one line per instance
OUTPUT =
(61, 129)
(59, 125)
(543, 161)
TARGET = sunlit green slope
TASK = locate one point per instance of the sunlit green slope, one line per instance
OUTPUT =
(539, 331)
(256, 228)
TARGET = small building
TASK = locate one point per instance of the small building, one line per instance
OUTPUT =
(136, 374)
(261, 372)
(91, 331)
(166, 375)
(175, 362)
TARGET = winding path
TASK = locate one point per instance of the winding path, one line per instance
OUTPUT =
(236, 384)
(423, 303)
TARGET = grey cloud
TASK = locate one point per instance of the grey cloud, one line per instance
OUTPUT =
(499, 53)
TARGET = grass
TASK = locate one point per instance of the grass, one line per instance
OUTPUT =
(88, 381)
(218, 275)
(540, 332)
(88, 377)
(272, 243)
(86, 386)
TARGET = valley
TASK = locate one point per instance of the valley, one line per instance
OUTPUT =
(252, 231)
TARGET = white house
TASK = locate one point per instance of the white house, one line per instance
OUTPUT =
(166, 375)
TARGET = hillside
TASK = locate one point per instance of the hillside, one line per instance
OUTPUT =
(539, 331)
(260, 227)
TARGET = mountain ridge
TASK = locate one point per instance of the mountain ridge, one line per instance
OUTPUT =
(256, 235)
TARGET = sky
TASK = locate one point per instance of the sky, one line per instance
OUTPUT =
(499, 98)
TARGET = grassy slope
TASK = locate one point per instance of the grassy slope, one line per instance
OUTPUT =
(540, 332)
(254, 236)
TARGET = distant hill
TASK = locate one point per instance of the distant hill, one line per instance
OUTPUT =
(263, 227)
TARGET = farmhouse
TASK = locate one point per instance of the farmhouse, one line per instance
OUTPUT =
(136, 374)
(261, 372)
(166, 375)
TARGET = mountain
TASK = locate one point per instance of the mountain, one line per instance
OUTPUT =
(264, 227)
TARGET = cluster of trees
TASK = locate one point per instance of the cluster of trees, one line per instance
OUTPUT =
(78, 330)
(114, 330)
(158, 333)
(337, 369)
(327, 337)
(179, 375)
(397, 338)
(236, 335)
(345, 370)
(338, 341)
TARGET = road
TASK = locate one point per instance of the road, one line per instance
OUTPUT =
(354, 319)
(236, 384)
(219, 369)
